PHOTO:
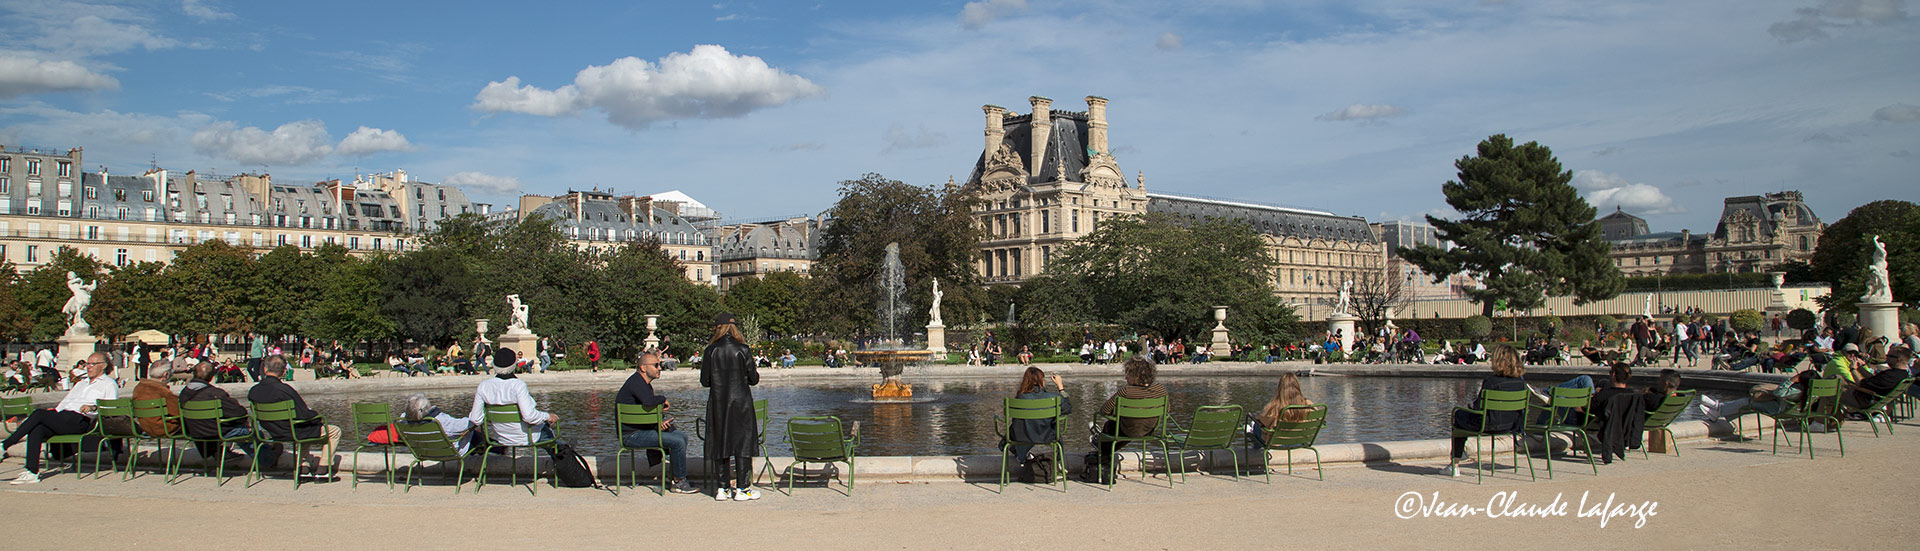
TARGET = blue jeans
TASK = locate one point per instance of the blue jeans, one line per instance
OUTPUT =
(674, 441)
(1271, 358)
(1565, 415)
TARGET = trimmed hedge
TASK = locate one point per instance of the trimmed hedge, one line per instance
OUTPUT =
(1696, 282)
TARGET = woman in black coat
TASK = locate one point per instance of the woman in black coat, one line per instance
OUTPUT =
(727, 370)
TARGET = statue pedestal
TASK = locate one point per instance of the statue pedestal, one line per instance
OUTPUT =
(1221, 346)
(74, 346)
(937, 339)
(1342, 323)
(522, 341)
(1882, 318)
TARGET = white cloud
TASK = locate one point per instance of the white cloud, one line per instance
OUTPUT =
(484, 182)
(1168, 42)
(898, 138)
(201, 10)
(21, 75)
(293, 143)
(1362, 112)
(291, 95)
(977, 14)
(1899, 112)
(1824, 138)
(1810, 23)
(1605, 191)
(706, 83)
(94, 35)
(366, 141)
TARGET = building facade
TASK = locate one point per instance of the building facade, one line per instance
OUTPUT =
(1756, 233)
(754, 249)
(1418, 284)
(46, 204)
(601, 220)
(1048, 178)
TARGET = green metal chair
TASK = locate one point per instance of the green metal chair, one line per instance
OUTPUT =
(284, 412)
(1288, 436)
(510, 413)
(1491, 401)
(760, 419)
(1661, 420)
(375, 414)
(1213, 428)
(1139, 408)
(170, 431)
(16, 406)
(636, 414)
(207, 410)
(1034, 409)
(1883, 408)
(1821, 402)
(819, 440)
(113, 421)
(426, 442)
(1575, 404)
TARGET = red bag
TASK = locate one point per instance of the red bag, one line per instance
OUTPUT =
(384, 435)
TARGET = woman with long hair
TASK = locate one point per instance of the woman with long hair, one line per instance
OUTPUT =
(1286, 394)
(1508, 374)
(1033, 387)
(727, 370)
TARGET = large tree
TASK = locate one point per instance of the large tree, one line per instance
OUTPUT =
(777, 301)
(1846, 248)
(15, 323)
(1525, 232)
(1164, 274)
(937, 238)
(348, 306)
(213, 283)
(135, 297)
(636, 279)
(424, 294)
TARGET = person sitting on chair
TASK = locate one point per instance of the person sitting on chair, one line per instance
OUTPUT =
(639, 390)
(1872, 388)
(1286, 394)
(1140, 385)
(1033, 387)
(272, 388)
(74, 415)
(154, 387)
(462, 432)
(504, 388)
(1767, 398)
(1508, 374)
(201, 388)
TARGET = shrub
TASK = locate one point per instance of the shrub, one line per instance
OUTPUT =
(1802, 319)
(1747, 320)
(1477, 326)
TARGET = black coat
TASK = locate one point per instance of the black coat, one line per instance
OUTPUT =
(727, 370)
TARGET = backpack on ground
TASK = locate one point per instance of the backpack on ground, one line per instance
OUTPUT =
(1038, 468)
(570, 468)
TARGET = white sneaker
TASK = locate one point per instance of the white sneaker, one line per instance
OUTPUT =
(1453, 469)
(1708, 406)
(746, 494)
(723, 494)
(27, 477)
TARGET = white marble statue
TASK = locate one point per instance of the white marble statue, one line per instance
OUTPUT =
(76, 306)
(1647, 310)
(935, 311)
(1346, 296)
(1879, 288)
(519, 312)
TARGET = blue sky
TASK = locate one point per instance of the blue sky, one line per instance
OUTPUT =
(760, 108)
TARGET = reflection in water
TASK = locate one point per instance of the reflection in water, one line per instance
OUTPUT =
(956, 416)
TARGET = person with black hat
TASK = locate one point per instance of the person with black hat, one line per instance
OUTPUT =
(727, 370)
(503, 388)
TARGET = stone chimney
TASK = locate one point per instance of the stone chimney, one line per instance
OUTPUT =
(1097, 124)
(1042, 126)
(996, 131)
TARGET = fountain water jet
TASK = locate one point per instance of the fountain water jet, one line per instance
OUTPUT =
(891, 353)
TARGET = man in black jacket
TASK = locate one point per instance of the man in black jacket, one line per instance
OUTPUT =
(639, 390)
(1881, 383)
(307, 423)
(201, 388)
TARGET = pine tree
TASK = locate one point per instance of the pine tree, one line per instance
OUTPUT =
(1525, 231)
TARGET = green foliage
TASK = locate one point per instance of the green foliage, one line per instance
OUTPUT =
(777, 300)
(1798, 271)
(1525, 232)
(937, 237)
(1845, 249)
(214, 284)
(1802, 319)
(1477, 326)
(348, 307)
(1163, 274)
(134, 297)
(424, 294)
(636, 279)
(1747, 320)
(43, 292)
(15, 323)
(1694, 282)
